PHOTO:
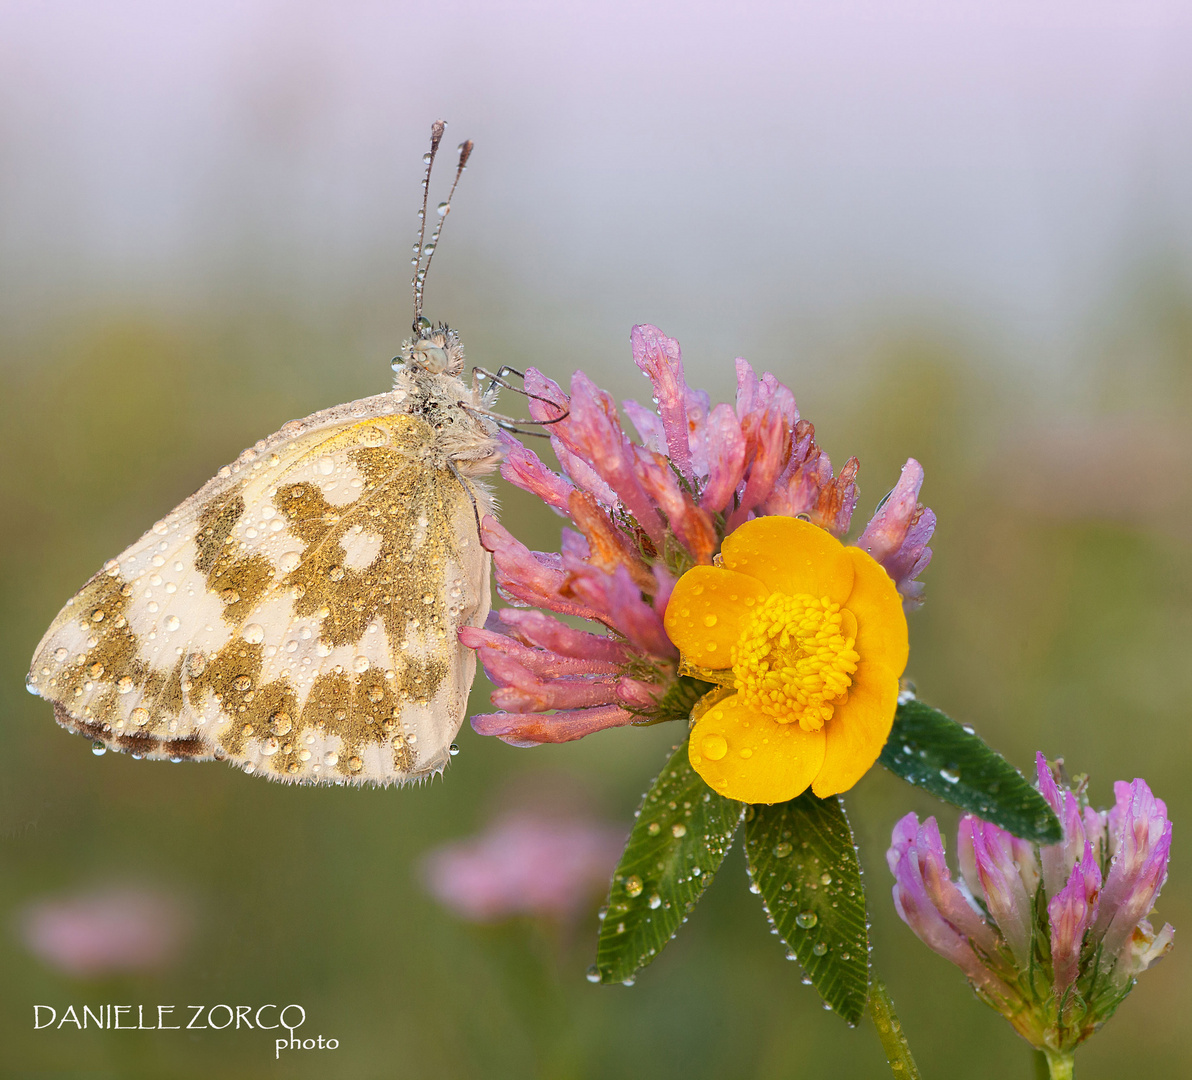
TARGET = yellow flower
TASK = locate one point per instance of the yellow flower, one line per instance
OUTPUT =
(812, 637)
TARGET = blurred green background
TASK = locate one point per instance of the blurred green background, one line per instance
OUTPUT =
(1026, 335)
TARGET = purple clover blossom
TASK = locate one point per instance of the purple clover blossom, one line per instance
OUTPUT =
(644, 512)
(1052, 937)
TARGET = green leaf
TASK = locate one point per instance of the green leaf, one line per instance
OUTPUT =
(932, 751)
(803, 861)
(889, 1030)
(680, 838)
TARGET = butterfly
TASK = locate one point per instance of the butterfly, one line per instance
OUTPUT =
(297, 616)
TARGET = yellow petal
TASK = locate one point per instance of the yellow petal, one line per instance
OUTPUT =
(858, 730)
(707, 612)
(747, 756)
(881, 623)
(791, 556)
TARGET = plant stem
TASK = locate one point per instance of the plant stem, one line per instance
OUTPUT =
(1060, 1064)
(889, 1030)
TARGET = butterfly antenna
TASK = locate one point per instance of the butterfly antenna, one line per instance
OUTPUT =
(443, 209)
(436, 136)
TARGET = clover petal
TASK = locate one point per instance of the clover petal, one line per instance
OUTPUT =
(707, 612)
(750, 757)
(881, 623)
(791, 556)
(859, 728)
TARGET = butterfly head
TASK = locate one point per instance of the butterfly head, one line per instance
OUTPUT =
(436, 349)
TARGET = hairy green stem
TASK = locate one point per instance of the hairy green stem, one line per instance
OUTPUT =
(1060, 1064)
(889, 1030)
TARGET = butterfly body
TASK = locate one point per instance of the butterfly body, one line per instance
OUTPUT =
(297, 616)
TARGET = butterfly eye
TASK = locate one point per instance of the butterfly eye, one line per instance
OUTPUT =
(430, 357)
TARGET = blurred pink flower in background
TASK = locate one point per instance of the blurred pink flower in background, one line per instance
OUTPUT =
(526, 863)
(105, 932)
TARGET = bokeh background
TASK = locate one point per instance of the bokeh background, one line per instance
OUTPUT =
(960, 231)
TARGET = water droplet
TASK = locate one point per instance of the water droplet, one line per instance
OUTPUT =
(172, 623)
(806, 980)
(819, 948)
(654, 902)
(593, 974)
(242, 683)
(950, 775)
(845, 956)
(782, 850)
(280, 724)
(140, 716)
(678, 830)
(97, 615)
(805, 920)
(442, 209)
(355, 763)
(653, 828)
(95, 670)
(968, 729)
(98, 748)
(331, 758)
(60, 655)
(633, 885)
(709, 620)
(714, 747)
(825, 878)
(628, 982)
(453, 749)
(254, 633)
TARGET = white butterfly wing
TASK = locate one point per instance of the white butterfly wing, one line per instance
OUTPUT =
(297, 616)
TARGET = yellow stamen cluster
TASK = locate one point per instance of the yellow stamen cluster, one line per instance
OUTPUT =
(795, 658)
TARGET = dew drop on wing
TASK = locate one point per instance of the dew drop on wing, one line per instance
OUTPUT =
(98, 748)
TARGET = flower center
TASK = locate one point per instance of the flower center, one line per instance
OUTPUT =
(795, 659)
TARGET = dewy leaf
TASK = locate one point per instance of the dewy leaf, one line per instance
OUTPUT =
(889, 1030)
(803, 861)
(681, 836)
(932, 751)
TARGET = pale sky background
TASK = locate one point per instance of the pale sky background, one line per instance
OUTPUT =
(709, 167)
